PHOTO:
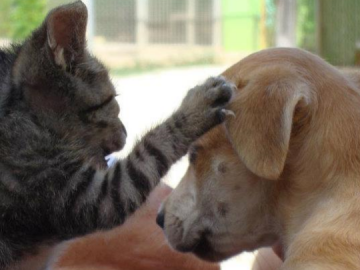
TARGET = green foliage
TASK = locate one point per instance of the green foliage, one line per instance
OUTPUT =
(306, 24)
(18, 18)
(270, 22)
(25, 16)
(5, 18)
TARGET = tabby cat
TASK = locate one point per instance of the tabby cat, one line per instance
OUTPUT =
(58, 120)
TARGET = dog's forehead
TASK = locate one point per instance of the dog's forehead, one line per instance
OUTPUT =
(209, 150)
(213, 139)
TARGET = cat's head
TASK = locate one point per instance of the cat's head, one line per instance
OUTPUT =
(67, 89)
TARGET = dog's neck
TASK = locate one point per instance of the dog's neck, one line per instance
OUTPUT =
(321, 224)
(320, 219)
(320, 195)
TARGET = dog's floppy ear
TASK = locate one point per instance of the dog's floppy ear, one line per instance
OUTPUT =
(261, 130)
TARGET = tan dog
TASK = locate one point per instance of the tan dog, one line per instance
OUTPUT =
(286, 168)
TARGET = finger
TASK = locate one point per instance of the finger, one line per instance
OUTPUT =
(156, 197)
(159, 194)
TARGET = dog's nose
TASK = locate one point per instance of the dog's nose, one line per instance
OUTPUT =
(160, 219)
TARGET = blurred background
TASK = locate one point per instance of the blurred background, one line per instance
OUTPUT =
(158, 49)
(142, 35)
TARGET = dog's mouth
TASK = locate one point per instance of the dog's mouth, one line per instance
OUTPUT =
(202, 249)
(278, 250)
(206, 251)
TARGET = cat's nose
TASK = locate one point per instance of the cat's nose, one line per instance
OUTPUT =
(160, 219)
(123, 137)
(120, 138)
(124, 129)
(115, 142)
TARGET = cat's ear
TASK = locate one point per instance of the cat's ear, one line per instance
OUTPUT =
(66, 31)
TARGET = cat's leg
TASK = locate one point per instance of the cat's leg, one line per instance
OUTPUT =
(102, 199)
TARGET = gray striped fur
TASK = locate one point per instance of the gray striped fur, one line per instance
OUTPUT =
(58, 119)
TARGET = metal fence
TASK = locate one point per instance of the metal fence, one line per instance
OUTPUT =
(330, 28)
(153, 21)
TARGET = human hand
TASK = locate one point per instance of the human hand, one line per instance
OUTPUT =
(267, 259)
(139, 244)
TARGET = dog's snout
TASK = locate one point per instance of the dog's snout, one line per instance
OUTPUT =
(160, 219)
(185, 248)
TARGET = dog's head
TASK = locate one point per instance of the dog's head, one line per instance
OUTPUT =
(242, 184)
(219, 208)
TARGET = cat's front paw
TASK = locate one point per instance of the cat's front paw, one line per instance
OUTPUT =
(205, 104)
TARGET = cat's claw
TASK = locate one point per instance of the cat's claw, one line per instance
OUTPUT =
(204, 105)
(228, 113)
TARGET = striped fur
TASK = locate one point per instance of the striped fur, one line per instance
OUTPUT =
(58, 118)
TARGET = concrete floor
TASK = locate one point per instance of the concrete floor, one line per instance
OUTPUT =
(147, 99)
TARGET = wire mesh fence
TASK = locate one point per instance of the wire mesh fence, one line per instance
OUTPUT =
(163, 21)
(132, 32)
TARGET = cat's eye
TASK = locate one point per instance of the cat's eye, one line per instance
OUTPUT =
(99, 106)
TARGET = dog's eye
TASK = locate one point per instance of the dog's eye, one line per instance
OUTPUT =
(192, 156)
(193, 153)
